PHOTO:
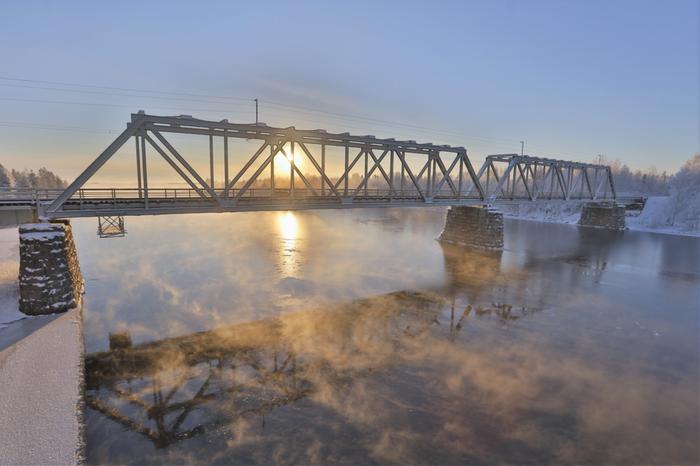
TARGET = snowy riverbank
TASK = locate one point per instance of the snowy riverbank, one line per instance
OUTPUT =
(657, 216)
(41, 395)
(41, 375)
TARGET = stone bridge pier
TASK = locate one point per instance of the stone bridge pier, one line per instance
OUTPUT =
(49, 277)
(482, 226)
(476, 226)
(608, 215)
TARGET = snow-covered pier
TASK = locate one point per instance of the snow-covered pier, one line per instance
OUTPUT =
(49, 278)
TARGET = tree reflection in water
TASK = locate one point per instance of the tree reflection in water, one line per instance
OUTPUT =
(177, 388)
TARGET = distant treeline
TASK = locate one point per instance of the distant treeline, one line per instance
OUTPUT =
(41, 179)
(649, 183)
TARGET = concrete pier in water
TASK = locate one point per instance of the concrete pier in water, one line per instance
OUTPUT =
(606, 215)
(477, 226)
(49, 277)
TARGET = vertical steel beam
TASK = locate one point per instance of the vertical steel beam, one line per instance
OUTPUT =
(428, 193)
(226, 180)
(391, 175)
(272, 172)
(323, 169)
(347, 175)
(144, 169)
(488, 178)
(211, 162)
(138, 164)
(291, 170)
(366, 181)
(461, 175)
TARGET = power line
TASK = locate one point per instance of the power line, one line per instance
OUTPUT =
(83, 91)
(105, 104)
(77, 129)
(128, 89)
(279, 114)
(207, 96)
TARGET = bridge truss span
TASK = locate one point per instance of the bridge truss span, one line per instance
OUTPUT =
(513, 176)
(340, 170)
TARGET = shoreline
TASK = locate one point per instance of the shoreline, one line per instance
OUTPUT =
(664, 231)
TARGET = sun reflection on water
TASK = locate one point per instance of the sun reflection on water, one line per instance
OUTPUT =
(288, 227)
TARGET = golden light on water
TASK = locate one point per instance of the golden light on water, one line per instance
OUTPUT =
(288, 227)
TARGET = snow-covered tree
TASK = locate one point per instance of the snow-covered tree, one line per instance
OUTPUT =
(20, 179)
(685, 193)
(4, 177)
(43, 179)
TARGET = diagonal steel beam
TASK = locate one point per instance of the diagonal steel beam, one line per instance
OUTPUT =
(296, 169)
(369, 173)
(260, 169)
(184, 163)
(247, 165)
(501, 182)
(446, 174)
(320, 170)
(170, 161)
(402, 159)
(346, 174)
(381, 169)
(101, 159)
(522, 178)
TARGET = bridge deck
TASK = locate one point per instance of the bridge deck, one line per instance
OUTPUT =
(127, 202)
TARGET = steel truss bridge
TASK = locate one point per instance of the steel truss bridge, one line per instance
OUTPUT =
(443, 176)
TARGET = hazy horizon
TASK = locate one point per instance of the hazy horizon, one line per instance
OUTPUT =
(571, 79)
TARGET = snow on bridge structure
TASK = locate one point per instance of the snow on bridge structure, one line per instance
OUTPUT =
(340, 171)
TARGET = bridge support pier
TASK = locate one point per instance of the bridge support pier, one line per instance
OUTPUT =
(49, 277)
(478, 226)
(608, 215)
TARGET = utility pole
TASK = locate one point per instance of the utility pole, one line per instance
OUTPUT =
(522, 147)
(256, 111)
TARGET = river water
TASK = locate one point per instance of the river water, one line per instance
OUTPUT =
(353, 337)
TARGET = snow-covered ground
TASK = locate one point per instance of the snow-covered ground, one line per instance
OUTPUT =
(41, 396)
(544, 211)
(660, 215)
(663, 215)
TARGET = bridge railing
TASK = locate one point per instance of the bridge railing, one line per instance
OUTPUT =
(29, 194)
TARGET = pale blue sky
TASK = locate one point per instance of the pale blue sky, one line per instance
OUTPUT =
(572, 78)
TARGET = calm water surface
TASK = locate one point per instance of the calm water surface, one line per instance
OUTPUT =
(353, 337)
